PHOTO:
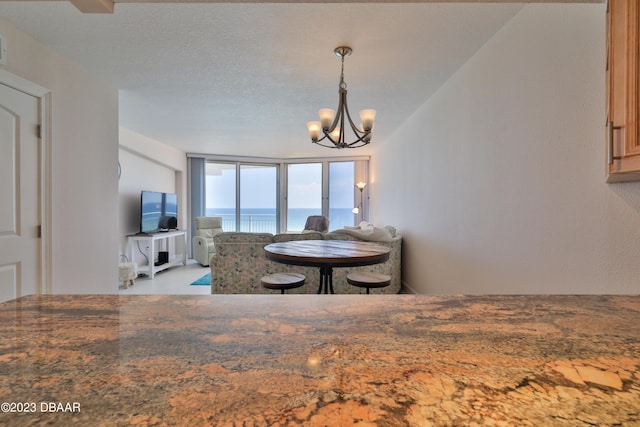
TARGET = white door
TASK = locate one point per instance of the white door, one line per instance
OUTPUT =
(19, 195)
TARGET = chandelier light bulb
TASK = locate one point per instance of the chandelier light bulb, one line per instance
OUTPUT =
(335, 134)
(367, 117)
(326, 117)
(314, 130)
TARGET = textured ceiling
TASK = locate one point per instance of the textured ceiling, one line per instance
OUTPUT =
(244, 79)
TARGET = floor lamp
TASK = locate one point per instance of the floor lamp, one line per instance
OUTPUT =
(357, 209)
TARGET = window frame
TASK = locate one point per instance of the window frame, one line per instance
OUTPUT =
(361, 173)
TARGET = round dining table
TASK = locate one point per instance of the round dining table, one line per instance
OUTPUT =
(327, 254)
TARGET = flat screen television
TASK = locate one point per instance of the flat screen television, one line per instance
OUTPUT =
(158, 211)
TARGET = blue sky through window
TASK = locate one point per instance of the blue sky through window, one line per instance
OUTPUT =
(304, 186)
(258, 191)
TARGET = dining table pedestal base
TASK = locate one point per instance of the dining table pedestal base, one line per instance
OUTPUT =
(326, 280)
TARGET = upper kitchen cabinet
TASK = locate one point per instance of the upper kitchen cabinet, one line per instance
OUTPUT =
(623, 90)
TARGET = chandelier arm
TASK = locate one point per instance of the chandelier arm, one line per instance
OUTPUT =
(360, 139)
(356, 144)
(341, 102)
(328, 132)
(338, 120)
(341, 134)
(359, 134)
(328, 145)
(359, 142)
(318, 140)
(328, 136)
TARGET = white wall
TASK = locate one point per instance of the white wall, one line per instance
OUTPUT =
(84, 150)
(147, 164)
(498, 181)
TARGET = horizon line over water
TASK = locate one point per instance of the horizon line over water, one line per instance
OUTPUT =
(264, 219)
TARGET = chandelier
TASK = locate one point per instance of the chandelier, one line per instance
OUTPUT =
(332, 124)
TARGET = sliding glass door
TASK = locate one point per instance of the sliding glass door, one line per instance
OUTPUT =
(251, 196)
(259, 198)
(341, 201)
(220, 197)
(325, 188)
(244, 195)
(304, 193)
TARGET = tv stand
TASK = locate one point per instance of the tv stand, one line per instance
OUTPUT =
(164, 237)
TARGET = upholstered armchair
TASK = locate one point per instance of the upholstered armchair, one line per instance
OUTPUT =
(317, 223)
(203, 246)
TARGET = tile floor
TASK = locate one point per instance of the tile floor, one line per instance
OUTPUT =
(173, 281)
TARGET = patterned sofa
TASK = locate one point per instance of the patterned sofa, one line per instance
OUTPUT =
(239, 263)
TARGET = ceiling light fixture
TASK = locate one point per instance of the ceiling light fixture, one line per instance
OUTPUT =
(332, 125)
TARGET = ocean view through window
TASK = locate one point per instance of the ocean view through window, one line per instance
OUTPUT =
(264, 220)
(256, 197)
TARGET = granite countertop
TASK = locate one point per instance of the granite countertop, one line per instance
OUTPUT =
(320, 360)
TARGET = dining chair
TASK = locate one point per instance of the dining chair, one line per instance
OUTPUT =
(317, 223)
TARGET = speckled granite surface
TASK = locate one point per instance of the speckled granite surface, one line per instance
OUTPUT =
(321, 360)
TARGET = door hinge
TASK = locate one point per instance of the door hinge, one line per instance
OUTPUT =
(39, 232)
(39, 131)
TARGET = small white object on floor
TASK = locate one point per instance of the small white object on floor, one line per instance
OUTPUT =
(128, 273)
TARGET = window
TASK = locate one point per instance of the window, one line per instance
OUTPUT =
(220, 196)
(250, 196)
(304, 193)
(245, 196)
(258, 198)
(341, 201)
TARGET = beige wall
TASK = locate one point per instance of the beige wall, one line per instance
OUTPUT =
(497, 182)
(148, 165)
(84, 150)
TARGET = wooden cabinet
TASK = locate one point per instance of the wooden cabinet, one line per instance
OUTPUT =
(623, 90)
